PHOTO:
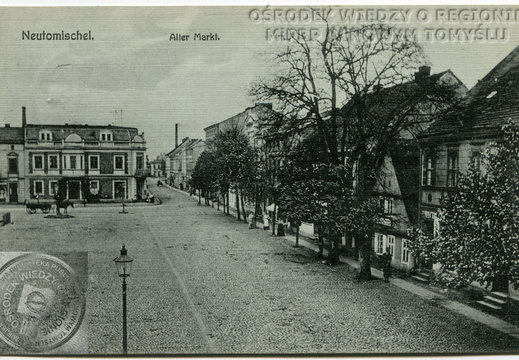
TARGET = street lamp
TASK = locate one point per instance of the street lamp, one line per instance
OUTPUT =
(124, 265)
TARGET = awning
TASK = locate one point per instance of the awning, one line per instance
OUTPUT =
(271, 207)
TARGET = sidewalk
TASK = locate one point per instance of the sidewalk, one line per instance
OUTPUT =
(467, 311)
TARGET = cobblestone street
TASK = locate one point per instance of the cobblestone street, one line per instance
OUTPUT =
(203, 283)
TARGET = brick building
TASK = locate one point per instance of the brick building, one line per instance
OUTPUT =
(89, 162)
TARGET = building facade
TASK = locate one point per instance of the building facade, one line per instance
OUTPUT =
(92, 163)
(182, 161)
(88, 162)
(12, 165)
(455, 142)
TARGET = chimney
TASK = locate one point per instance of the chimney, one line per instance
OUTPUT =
(422, 73)
(176, 135)
(24, 118)
(7, 125)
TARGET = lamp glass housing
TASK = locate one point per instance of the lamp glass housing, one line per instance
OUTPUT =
(123, 263)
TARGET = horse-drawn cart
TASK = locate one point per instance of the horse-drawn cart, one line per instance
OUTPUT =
(32, 207)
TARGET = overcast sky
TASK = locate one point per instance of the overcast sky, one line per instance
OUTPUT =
(131, 65)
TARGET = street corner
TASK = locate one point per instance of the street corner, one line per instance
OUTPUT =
(43, 303)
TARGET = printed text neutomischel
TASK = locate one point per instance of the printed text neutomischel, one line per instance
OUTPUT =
(57, 36)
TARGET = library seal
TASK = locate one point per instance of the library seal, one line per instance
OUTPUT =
(42, 302)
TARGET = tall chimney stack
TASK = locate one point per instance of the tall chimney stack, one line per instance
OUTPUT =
(24, 119)
(176, 135)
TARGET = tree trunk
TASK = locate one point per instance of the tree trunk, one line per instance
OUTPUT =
(365, 261)
(199, 197)
(243, 208)
(297, 236)
(320, 253)
(218, 201)
(228, 204)
(274, 220)
(256, 204)
(238, 217)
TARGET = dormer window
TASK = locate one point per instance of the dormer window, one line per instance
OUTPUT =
(106, 136)
(45, 135)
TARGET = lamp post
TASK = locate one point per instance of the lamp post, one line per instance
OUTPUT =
(124, 265)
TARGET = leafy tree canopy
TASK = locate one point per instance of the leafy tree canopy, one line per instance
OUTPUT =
(479, 234)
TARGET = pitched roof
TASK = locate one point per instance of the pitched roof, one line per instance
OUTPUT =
(11, 135)
(393, 101)
(491, 102)
(86, 132)
(187, 143)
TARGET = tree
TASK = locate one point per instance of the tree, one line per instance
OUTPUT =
(204, 175)
(235, 164)
(478, 239)
(350, 87)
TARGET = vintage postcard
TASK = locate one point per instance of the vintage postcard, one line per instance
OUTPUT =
(259, 180)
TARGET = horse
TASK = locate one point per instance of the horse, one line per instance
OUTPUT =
(63, 205)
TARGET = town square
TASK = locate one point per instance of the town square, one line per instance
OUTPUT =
(264, 181)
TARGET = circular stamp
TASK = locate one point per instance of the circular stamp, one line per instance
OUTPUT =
(42, 302)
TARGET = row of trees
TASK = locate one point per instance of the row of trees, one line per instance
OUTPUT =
(234, 166)
(341, 107)
(351, 91)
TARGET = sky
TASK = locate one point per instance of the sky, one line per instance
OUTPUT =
(132, 74)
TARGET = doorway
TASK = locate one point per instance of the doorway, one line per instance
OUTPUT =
(13, 192)
(74, 190)
(119, 189)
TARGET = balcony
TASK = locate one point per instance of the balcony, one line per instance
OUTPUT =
(140, 173)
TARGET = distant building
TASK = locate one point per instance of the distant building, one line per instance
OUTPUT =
(158, 166)
(182, 161)
(247, 122)
(12, 164)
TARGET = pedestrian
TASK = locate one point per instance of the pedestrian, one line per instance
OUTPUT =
(266, 219)
(385, 261)
(251, 220)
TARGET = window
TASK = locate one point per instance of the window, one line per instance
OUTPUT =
(428, 169)
(388, 206)
(53, 187)
(379, 243)
(53, 162)
(94, 187)
(140, 162)
(106, 136)
(45, 135)
(38, 187)
(93, 162)
(38, 162)
(405, 251)
(391, 244)
(452, 168)
(476, 159)
(73, 163)
(119, 162)
(13, 165)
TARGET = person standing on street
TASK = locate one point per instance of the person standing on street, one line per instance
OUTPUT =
(266, 219)
(251, 220)
(386, 264)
